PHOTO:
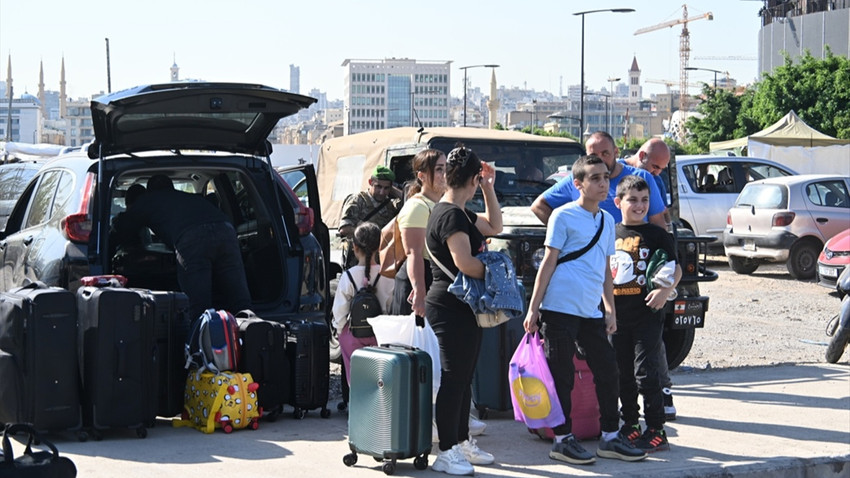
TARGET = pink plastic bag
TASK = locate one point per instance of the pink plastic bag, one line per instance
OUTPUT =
(533, 393)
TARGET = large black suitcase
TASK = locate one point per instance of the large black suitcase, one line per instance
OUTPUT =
(390, 407)
(39, 374)
(308, 349)
(171, 328)
(264, 356)
(118, 359)
(490, 387)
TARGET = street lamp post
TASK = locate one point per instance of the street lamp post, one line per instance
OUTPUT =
(693, 68)
(611, 81)
(464, 68)
(582, 14)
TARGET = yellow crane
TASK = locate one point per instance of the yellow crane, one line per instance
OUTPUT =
(684, 49)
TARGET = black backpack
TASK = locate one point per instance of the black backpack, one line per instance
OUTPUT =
(363, 305)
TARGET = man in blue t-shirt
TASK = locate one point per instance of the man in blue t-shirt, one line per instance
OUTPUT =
(602, 144)
(653, 157)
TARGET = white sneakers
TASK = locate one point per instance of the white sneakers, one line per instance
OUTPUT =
(475, 455)
(476, 426)
(453, 462)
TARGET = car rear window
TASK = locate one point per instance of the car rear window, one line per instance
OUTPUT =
(769, 196)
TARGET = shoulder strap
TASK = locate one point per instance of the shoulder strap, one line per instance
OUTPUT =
(376, 210)
(437, 261)
(576, 254)
(375, 282)
(351, 278)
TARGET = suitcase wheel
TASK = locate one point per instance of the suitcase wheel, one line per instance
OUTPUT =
(350, 459)
(389, 467)
(325, 413)
(342, 406)
(420, 462)
(142, 432)
(299, 414)
(82, 436)
(255, 424)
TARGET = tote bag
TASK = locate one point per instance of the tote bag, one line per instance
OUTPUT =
(533, 395)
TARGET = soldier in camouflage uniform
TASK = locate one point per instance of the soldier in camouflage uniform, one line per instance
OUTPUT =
(379, 204)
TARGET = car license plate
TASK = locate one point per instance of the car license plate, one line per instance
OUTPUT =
(749, 245)
(689, 313)
(827, 272)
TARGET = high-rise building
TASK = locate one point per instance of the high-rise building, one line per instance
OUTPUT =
(295, 79)
(393, 92)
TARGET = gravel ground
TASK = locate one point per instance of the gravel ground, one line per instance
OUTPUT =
(766, 318)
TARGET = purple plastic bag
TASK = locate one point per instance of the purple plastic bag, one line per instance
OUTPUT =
(532, 387)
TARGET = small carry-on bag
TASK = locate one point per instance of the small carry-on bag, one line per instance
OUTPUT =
(39, 373)
(225, 400)
(118, 359)
(33, 464)
(585, 406)
(213, 343)
(390, 405)
(308, 349)
(171, 329)
(264, 357)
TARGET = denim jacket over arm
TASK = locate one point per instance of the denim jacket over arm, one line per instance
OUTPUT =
(497, 291)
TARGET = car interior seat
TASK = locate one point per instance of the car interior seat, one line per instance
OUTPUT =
(830, 199)
(708, 183)
(725, 183)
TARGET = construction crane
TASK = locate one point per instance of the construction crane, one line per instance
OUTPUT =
(669, 83)
(726, 58)
(684, 49)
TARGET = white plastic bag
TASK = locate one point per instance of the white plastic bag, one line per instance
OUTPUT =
(402, 329)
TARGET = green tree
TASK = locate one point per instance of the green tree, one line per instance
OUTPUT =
(720, 112)
(818, 90)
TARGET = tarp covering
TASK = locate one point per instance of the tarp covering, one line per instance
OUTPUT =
(790, 141)
(788, 131)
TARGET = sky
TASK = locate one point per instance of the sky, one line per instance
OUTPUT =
(537, 44)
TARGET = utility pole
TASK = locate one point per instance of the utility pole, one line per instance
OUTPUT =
(108, 72)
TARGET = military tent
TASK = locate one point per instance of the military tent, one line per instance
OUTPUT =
(792, 142)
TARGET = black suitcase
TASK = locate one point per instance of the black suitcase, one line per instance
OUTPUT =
(118, 359)
(171, 328)
(490, 387)
(263, 355)
(308, 350)
(39, 374)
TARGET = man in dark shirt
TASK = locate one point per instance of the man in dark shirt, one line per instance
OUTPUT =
(204, 241)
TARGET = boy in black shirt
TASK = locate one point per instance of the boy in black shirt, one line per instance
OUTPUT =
(640, 294)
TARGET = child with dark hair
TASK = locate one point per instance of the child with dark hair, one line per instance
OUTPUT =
(640, 295)
(453, 237)
(566, 301)
(367, 239)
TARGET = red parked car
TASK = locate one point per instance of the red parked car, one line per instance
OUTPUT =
(834, 257)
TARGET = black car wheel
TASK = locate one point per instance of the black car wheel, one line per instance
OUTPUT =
(803, 259)
(743, 265)
(678, 343)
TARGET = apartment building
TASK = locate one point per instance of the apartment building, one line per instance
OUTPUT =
(393, 92)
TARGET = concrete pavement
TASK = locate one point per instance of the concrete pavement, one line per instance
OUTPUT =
(782, 421)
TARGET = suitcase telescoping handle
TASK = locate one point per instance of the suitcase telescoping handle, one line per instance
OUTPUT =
(398, 346)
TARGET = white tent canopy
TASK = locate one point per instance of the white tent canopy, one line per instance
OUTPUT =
(790, 141)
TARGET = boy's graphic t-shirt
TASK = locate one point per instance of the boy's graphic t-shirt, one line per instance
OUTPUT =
(633, 248)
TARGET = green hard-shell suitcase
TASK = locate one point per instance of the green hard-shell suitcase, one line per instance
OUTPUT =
(390, 410)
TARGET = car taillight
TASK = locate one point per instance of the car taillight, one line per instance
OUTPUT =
(728, 218)
(304, 220)
(782, 219)
(77, 226)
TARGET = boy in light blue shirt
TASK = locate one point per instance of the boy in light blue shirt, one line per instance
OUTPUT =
(573, 276)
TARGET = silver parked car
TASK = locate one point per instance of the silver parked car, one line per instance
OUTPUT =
(709, 185)
(788, 220)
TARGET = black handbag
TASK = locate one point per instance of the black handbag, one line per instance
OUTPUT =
(33, 464)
